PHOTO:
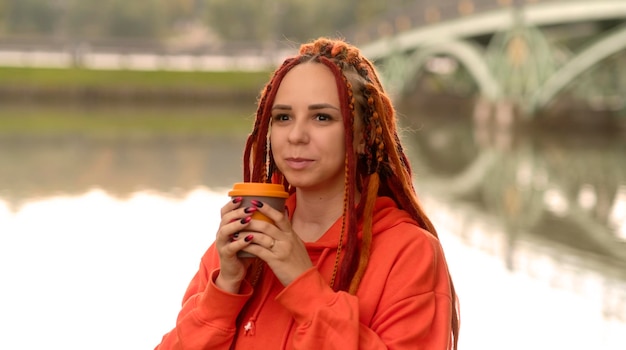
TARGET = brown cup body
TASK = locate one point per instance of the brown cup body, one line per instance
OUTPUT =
(270, 194)
(275, 202)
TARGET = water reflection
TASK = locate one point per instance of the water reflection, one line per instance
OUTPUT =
(111, 230)
(94, 271)
(36, 167)
(531, 180)
(552, 207)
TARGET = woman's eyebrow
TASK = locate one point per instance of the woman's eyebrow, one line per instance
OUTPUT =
(281, 107)
(322, 106)
(314, 106)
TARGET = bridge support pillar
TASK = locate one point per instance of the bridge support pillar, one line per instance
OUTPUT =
(502, 114)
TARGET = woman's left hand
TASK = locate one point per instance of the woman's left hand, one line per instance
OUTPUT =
(278, 245)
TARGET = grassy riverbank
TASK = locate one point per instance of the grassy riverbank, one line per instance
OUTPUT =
(43, 85)
(132, 121)
(97, 103)
(75, 77)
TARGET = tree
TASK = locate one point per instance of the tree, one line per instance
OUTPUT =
(30, 16)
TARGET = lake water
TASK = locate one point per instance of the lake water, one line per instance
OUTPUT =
(99, 236)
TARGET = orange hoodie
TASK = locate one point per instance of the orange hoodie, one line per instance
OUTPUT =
(403, 301)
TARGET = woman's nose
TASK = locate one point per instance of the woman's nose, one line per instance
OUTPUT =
(299, 132)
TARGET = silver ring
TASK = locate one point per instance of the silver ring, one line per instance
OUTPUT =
(272, 245)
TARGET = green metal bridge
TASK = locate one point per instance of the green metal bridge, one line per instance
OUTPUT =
(523, 54)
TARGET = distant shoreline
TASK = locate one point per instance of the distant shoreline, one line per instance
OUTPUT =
(125, 95)
(60, 85)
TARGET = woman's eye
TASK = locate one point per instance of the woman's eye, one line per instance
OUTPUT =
(323, 117)
(280, 117)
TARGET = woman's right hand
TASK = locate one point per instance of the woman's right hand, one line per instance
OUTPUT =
(232, 268)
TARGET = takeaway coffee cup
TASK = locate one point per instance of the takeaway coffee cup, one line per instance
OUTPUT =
(273, 195)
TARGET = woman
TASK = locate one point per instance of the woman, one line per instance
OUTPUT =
(353, 262)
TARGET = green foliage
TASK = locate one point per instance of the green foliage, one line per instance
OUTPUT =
(111, 122)
(30, 16)
(276, 20)
(251, 21)
(136, 18)
(75, 77)
(86, 18)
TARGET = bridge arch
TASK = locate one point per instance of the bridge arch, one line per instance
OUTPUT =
(471, 56)
(489, 20)
(584, 60)
(405, 52)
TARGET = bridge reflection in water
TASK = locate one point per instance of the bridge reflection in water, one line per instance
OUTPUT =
(548, 208)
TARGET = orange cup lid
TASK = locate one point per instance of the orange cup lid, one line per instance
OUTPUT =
(258, 189)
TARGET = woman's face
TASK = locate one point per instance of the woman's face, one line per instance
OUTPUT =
(307, 133)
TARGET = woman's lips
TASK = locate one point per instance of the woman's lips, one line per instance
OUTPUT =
(298, 163)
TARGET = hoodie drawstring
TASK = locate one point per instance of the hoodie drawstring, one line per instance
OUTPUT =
(249, 328)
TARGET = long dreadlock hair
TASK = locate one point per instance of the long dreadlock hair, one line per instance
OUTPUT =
(382, 169)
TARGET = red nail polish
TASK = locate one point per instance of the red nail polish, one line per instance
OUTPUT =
(245, 220)
(257, 203)
(237, 200)
(249, 210)
(248, 238)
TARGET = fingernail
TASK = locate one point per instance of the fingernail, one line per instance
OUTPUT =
(249, 210)
(257, 203)
(236, 234)
(248, 238)
(245, 220)
(237, 200)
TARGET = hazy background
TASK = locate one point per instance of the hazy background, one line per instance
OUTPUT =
(113, 167)
(209, 21)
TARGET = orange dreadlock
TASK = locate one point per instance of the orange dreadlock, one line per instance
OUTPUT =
(382, 170)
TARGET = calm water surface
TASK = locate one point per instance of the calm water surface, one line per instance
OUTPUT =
(99, 236)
